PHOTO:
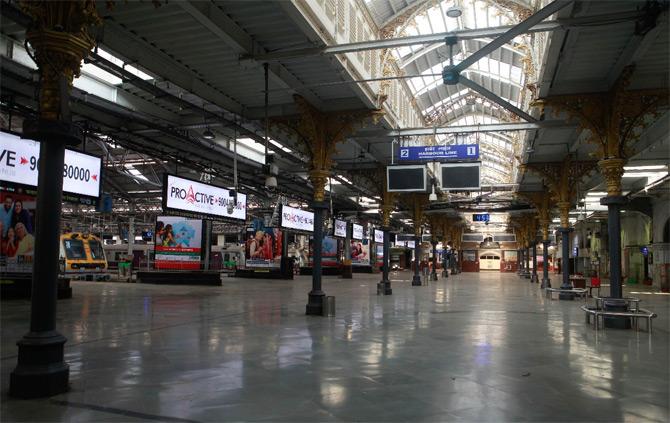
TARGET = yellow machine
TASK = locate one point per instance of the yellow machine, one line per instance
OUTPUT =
(82, 254)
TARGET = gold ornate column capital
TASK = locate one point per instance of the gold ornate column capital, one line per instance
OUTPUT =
(612, 170)
(319, 178)
(60, 38)
(564, 213)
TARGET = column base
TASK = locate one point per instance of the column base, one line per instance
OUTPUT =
(315, 303)
(546, 283)
(566, 295)
(347, 272)
(416, 280)
(534, 278)
(384, 288)
(41, 371)
(433, 276)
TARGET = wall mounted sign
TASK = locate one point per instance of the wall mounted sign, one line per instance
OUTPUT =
(379, 236)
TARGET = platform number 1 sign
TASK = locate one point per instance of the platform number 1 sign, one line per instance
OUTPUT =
(472, 151)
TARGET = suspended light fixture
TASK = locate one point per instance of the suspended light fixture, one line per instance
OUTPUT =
(208, 134)
(454, 12)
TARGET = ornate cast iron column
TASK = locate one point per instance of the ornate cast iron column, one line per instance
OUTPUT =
(615, 119)
(385, 285)
(416, 203)
(534, 278)
(320, 133)
(543, 203)
(60, 40)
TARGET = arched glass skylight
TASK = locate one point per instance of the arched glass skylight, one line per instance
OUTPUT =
(455, 105)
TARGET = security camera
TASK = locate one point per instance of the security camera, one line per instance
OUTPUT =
(232, 202)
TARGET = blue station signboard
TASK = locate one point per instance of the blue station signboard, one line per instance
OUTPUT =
(440, 152)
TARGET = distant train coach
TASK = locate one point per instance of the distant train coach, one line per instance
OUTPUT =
(82, 253)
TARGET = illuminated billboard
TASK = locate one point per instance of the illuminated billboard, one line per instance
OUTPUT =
(192, 197)
(19, 160)
(301, 220)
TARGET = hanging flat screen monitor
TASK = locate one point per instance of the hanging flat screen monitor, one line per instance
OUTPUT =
(407, 178)
(461, 176)
(356, 231)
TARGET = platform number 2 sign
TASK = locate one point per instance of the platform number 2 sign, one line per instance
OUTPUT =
(404, 153)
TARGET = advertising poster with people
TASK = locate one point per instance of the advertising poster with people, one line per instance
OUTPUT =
(263, 247)
(17, 229)
(330, 249)
(360, 252)
(178, 244)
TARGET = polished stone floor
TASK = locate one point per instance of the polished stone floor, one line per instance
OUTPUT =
(474, 347)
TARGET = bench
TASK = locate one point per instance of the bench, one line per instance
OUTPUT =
(633, 314)
(581, 292)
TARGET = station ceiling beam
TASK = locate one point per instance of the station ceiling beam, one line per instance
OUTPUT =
(462, 129)
(461, 34)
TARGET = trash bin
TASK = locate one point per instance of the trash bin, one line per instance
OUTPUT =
(616, 322)
(329, 306)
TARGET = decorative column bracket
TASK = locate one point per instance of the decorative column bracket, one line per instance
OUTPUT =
(562, 179)
(320, 133)
(614, 119)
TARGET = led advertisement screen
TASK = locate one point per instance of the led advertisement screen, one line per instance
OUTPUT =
(460, 176)
(19, 164)
(300, 220)
(356, 231)
(191, 197)
(360, 253)
(263, 248)
(340, 228)
(178, 243)
(17, 228)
